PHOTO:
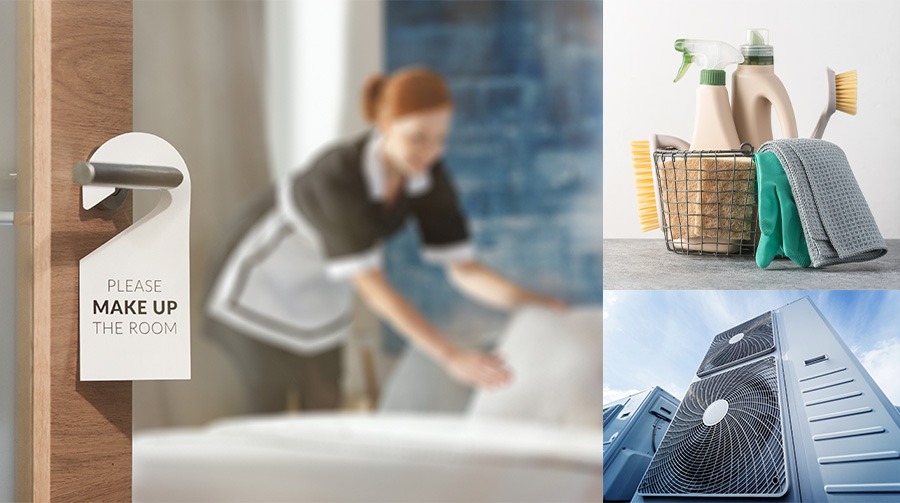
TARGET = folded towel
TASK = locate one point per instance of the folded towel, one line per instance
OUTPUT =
(837, 222)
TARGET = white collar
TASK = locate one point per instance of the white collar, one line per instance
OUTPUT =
(373, 172)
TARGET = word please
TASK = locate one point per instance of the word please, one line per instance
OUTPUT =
(134, 307)
(134, 285)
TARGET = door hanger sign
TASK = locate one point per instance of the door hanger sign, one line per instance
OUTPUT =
(134, 291)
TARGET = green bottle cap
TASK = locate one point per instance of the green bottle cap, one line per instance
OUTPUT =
(712, 77)
(757, 50)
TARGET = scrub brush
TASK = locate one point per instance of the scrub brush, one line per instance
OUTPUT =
(642, 162)
(841, 96)
(643, 182)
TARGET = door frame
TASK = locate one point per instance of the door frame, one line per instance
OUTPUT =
(74, 93)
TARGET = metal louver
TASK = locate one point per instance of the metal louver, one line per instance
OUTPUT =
(611, 412)
(725, 440)
(744, 342)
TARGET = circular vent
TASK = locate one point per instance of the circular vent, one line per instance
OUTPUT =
(725, 440)
(744, 342)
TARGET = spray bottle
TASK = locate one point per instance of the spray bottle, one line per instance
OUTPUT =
(714, 127)
(756, 90)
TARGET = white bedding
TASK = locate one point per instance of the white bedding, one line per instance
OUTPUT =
(557, 364)
(538, 440)
(369, 458)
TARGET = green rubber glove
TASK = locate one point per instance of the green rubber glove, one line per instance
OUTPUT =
(779, 220)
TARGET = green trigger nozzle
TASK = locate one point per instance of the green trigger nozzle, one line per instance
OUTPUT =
(709, 55)
(686, 59)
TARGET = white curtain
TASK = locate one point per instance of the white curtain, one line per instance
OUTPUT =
(197, 68)
(318, 54)
(244, 90)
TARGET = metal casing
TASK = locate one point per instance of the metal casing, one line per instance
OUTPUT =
(841, 433)
(632, 429)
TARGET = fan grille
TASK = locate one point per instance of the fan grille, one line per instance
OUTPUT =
(739, 344)
(740, 454)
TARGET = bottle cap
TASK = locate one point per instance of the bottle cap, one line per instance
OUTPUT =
(712, 77)
(757, 50)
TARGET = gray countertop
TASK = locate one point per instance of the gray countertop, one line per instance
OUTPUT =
(646, 264)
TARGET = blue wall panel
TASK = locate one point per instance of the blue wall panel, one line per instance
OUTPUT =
(525, 151)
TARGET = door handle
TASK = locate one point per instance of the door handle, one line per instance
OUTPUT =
(107, 184)
(126, 176)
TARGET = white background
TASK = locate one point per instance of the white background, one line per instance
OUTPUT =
(639, 97)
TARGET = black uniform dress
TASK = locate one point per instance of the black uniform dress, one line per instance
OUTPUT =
(339, 197)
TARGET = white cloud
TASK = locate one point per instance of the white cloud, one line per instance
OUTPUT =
(611, 395)
(883, 364)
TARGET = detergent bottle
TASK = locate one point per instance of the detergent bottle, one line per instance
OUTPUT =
(756, 90)
(714, 127)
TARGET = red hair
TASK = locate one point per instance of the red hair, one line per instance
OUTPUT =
(405, 91)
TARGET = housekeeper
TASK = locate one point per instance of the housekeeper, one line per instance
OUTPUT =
(290, 281)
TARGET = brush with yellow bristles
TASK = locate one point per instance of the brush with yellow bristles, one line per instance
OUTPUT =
(642, 162)
(841, 96)
(643, 184)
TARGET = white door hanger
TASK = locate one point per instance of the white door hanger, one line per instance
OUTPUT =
(134, 291)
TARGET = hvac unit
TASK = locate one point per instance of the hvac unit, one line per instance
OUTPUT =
(781, 410)
(739, 344)
(633, 427)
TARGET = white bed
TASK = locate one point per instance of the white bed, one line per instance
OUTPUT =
(369, 458)
(502, 450)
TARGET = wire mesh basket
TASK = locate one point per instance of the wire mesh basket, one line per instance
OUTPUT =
(707, 200)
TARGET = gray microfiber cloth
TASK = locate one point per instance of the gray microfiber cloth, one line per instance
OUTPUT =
(837, 222)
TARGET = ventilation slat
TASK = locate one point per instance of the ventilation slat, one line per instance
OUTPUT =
(818, 359)
(833, 398)
(864, 456)
(828, 385)
(843, 413)
(823, 374)
(849, 433)
(862, 488)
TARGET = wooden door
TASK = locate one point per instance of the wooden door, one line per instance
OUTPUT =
(75, 92)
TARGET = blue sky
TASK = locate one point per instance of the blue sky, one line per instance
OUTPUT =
(648, 336)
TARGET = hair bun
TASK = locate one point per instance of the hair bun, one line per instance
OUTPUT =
(406, 91)
(370, 95)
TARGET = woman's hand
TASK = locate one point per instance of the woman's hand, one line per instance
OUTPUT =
(469, 367)
(477, 369)
(547, 302)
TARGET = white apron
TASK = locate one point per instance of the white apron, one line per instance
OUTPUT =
(273, 286)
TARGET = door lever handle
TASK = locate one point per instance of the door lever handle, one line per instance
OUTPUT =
(106, 183)
(126, 176)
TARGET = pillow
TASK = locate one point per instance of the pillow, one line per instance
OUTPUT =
(557, 364)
